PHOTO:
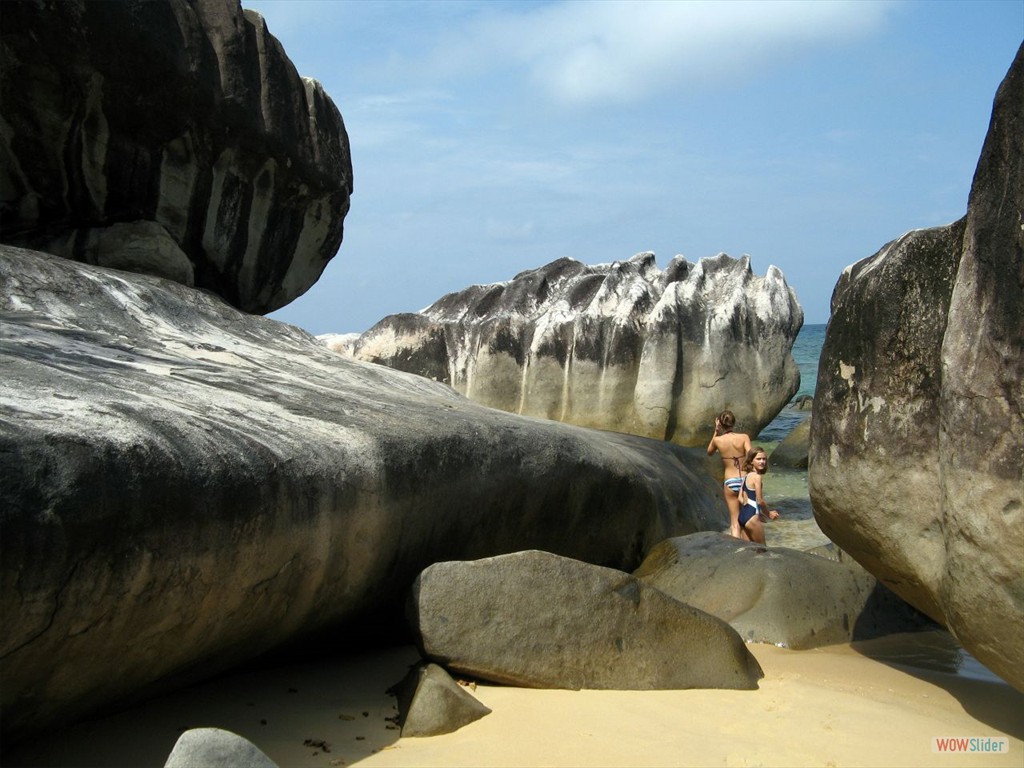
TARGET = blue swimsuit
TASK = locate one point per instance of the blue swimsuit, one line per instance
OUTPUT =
(750, 509)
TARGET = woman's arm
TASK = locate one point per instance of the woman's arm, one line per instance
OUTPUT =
(712, 446)
(762, 505)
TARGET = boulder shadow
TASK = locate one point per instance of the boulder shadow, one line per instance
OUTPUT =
(934, 655)
(327, 711)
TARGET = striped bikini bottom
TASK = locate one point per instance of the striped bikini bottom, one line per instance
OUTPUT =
(734, 484)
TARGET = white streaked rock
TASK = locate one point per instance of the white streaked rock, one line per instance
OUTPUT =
(185, 486)
(622, 346)
(199, 132)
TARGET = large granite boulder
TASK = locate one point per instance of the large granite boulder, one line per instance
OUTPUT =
(917, 435)
(184, 486)
(536, 619)
(173, 138)
(782, 596)
(623, 346)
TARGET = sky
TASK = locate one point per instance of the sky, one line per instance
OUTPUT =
(494, 137)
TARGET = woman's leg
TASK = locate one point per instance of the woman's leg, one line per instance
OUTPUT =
(732, 501)
(755, 530)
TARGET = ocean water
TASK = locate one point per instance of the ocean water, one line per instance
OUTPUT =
(786, 489)
(806, 352)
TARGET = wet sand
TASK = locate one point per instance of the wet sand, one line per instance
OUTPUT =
(834, 706)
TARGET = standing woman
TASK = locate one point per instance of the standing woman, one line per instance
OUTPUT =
(733, 446)
(755, 509)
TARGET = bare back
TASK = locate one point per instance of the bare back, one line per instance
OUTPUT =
(733, 447)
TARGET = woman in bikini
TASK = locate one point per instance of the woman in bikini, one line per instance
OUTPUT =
(755, 510)
(733, 446)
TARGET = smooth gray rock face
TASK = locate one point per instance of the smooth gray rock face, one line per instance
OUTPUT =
(622, 346)
(184, 486)
(917, 432)
(793, 451)
(216, 748)
(782, 596)
(536, 619)
(184, 117)
(431, 703)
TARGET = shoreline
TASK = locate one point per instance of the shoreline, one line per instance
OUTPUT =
(832, 706)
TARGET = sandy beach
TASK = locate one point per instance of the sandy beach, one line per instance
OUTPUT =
(833, 706)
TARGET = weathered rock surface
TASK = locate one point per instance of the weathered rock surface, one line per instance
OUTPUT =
(431, 703)
(540, 620)
(793, 451)
(917, 432)
(184, 486)
(776, 595)
(216, 748)
(172, 138)
(621, 346)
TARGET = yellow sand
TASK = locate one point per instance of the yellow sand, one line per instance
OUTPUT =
(826, 707)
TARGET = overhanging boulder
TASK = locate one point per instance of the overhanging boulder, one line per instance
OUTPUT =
(185, 486)
(184, 121)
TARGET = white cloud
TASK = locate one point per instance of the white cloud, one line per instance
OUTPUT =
(622, 51)
(410, 100)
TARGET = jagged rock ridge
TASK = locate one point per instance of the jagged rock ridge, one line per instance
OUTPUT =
(622, 346)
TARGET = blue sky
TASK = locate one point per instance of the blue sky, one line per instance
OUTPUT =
(492, 137)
